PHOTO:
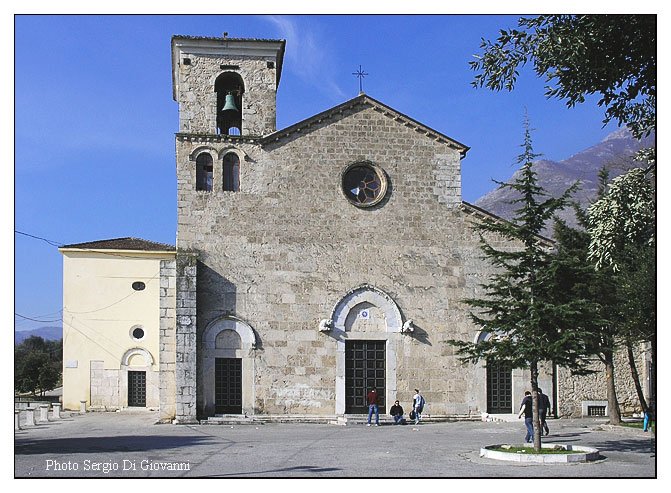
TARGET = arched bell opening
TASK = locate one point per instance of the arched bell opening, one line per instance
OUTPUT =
(229, 88)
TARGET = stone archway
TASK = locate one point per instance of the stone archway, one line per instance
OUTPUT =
(366, 314)
(138, 362)
(231, 342)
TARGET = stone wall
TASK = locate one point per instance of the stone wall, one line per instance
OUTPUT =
(573, 390)
(104, 387)
(185, 338)
(167, 348)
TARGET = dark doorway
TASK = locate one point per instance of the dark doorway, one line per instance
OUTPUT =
(137, 389)
(499, 389)
(228, 386)
(364, 369)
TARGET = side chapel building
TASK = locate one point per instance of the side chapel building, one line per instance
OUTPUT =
(312, 263)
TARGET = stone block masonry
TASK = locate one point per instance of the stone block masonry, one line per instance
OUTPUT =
(185, 338)
(167, 345)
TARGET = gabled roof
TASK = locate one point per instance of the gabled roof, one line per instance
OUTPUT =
(128, 243)
(364, 99)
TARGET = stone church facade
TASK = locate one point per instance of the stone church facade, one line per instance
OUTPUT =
(316, 261)
(326, 257)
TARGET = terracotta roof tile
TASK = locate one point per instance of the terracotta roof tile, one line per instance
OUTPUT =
(128, 243)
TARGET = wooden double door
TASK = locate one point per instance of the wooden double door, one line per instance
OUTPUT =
(228, 386)
(499, 389)
(365, 364)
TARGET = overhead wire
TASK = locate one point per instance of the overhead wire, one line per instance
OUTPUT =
(36, 320)
(57, 244)
(84, 249)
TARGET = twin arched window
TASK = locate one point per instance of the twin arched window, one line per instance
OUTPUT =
(230, 172)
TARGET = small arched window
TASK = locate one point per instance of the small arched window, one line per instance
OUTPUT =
(231, 172)
(204, 172)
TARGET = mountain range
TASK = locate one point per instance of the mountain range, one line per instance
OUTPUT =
(615, 152)
(50, 333)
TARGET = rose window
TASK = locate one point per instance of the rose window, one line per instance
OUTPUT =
(364, 184)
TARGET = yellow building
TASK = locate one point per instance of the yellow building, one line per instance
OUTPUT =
(112, 295)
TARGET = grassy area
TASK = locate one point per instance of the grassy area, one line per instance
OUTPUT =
(638, 424)
(530, 450)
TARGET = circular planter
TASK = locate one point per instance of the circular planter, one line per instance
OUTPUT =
(585, 454)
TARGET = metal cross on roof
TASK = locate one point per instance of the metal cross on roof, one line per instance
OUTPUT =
(360, 74)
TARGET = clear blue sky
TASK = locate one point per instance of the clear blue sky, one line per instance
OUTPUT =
(95, 119)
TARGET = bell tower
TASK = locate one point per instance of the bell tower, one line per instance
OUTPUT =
(226, 86)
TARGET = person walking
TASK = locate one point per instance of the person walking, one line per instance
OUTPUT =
(396, 412)
(543, 410)
(526, 409)
(417, 405)
(371, 398)
(648, 417)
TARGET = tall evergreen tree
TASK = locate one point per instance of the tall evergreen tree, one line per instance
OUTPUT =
(576, 279)
(527, 325)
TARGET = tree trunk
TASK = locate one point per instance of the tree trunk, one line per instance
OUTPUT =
(613, 408)
(634, 375)
(536, 416)
(653, 376)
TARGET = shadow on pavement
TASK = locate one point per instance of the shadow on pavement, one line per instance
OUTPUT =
(639, 446)
(88, 445)
(308, 469)
(561, 436)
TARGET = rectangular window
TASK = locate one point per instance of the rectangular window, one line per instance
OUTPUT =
(596, 410)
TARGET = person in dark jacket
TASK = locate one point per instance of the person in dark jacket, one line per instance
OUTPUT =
(543, 411)
(527, 409)
(371, 398)
(396, 412)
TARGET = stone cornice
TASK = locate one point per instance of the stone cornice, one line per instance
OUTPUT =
(484, 215)
(211, 46)
(201, 138)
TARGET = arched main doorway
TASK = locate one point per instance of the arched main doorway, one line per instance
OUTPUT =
(367, 325)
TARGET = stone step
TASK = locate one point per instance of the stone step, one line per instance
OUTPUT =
(348, 419)
(501, 418)
(230, 419)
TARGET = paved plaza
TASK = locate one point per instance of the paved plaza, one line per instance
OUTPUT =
(131, 445)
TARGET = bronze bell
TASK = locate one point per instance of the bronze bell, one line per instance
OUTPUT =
(229, 110)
